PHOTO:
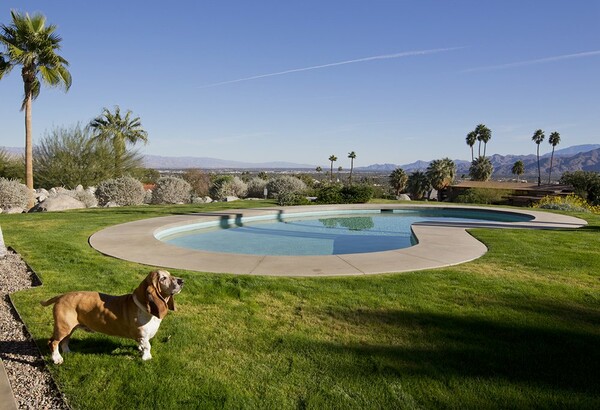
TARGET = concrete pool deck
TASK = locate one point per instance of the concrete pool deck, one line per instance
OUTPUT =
(440, 244)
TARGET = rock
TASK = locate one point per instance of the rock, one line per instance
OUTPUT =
(60, 202)
(207, 200)
(91, 189)
(403, 197)
(14, 210)
(231, 198)
(111, 205)
(79, 188)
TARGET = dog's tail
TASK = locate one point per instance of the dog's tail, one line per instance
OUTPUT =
(50, 301)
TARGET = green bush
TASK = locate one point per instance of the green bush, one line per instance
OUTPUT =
(11, 167)
(571, 203)
(330, 194)
(171, 190)
(357, 194)
(199, 182)
(13, 194)
(585, 183)
(483, 196)
(67, 157)
(123, 191)
(290, 198)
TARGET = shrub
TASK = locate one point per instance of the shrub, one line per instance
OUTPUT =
(482, 196)
(357, 194)
(199, 182)
(226, 185)
(481, 169)
(290, 198)
(330, 194)
(171, 190)
(285, 184)
(585, 183)
(13, 194)
(122, 191)
(11, 167)
(571, 203)
(71, 156)
(256, 187)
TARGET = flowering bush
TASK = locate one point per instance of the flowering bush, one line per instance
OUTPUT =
(256, 187)
(171, 190)
(572, 203)
(122, 191)
(285, 184)
(226, 185)
(13, 194)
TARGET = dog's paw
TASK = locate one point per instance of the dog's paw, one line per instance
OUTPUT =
(57, 359)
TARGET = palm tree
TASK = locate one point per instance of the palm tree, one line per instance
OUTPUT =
(398, 180)
(119, 131)
(538, 138)
(352, 156)
(471, 138)
(441, 173)
(32, 45)
(554, 140)
(332, 158)
(418, 184)
(338, 173)
(518, 169)
(484, 134)
(481, 169)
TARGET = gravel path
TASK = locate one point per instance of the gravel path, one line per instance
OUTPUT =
(30, 380)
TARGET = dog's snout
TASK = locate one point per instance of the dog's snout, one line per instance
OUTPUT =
(180, 281)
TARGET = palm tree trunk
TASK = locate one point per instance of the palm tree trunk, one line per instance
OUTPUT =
(472, 155)
(551, 159)
(351, 168)
(331, 173)
(28, 147)
(539, 170)
(484, 147)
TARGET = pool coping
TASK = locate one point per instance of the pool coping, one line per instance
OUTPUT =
(440, 244)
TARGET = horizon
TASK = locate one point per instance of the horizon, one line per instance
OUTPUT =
(266, 82)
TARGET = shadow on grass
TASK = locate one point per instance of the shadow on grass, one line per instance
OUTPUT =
(478, 348)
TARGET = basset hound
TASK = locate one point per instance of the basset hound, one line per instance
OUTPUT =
(135, 316)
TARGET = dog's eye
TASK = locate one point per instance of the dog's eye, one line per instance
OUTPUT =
(163, 278)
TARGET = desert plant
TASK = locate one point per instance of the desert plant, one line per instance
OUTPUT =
(71, 156)
(171, 190)
(482, 196)
(121, 191)
(418, 185)
(87, 197)
(11, 167)
(573, 203)
(226, 185)
(291, 198)
(518, 168)
(441, 173)
(398, 180)
(357, 194)
(256, 187)
(481, 169)
(330, 194)
(585, 183)
(13, 194)
(285, 184)
(199, 182)
(538, 138)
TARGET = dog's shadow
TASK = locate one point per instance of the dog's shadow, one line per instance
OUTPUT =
(98, 346)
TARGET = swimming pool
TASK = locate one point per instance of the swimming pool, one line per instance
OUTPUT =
(322, 233)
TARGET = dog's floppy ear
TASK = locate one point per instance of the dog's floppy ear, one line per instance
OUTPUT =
(171, 303)
(149, 296)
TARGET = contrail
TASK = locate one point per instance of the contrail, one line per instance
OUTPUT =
(531, 62)
(317, 67)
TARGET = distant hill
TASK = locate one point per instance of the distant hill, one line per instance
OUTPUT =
(579, 157)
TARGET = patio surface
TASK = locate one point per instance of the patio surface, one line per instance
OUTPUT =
(440, 244)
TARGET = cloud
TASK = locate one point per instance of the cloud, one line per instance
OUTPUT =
(532, 62)
(318, 67)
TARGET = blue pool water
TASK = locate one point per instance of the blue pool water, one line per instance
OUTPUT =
(327, 233)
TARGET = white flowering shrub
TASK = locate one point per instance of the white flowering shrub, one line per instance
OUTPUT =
(256, 187)
(224, 187)
(122, 191)
(13, 194)
(171, 190)
(285, 184)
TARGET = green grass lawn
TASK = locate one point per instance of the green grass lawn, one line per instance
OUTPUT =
(517, 328)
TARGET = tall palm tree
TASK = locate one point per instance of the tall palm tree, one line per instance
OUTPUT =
(538, 138)
(332, 158)
(441, 173)
(484, 134)
(398, 180)
(119, 131)
(518, 169)
(352, 156)
(32, 45)
(554, 140)
(471, 138)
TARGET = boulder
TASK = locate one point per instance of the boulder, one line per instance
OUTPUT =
(207, 200)
(60, 202)
(403, 197)
(79, 188)
(111, 205)
(2, 246)
(14, 210)
(231, 198)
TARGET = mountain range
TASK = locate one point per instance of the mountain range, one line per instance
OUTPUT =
(578, 157)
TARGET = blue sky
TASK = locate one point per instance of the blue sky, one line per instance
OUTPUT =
(394, 81)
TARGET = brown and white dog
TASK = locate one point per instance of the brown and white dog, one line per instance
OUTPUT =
(135, 316)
